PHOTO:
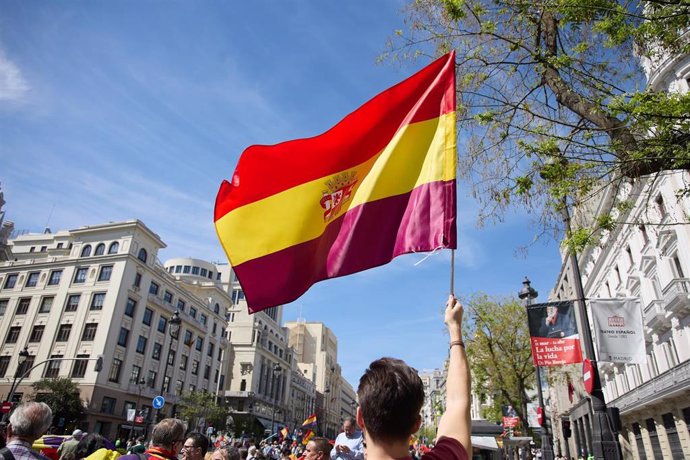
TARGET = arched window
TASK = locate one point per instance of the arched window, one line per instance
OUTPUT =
(114, 247)
(142, 255)
(216, 309)
(100, 250)
(86, 251)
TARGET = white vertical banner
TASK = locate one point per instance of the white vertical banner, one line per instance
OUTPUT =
(618, 330)
(131, 413)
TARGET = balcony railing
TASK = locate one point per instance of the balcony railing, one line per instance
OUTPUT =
(655, 316)
(672, 381)
(677, 295)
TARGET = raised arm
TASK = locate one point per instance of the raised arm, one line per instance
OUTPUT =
(456, 422)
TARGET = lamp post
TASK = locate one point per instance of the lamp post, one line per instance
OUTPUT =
(276, 373)
(140, 384)
(21, 359)
(528, 294)
(174, 331)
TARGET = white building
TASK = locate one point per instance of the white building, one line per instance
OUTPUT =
(75, 295)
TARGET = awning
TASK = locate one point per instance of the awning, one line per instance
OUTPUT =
(484, 442)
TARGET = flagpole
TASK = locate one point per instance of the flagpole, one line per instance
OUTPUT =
(452, 272)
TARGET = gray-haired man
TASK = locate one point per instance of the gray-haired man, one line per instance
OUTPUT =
(28, 422)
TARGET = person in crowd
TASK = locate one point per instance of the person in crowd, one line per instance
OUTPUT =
(92, 445)
(195, 446)
(349, 443)
(391, 395)
(28, 422)
(139, 447)
(167, 440)
(232, 453)
(251, 453)
(318, 448)
(69, 445)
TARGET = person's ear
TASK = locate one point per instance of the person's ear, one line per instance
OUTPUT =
(360, 419)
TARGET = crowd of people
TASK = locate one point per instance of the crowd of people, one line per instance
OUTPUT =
(390, 397)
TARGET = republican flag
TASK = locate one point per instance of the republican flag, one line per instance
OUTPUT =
(311, 420)
(307, 436)
(379, 184)
(284, 432)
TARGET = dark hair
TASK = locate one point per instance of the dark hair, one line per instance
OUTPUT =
(199, 440)
(286, 451)
(233, 453)
(391, 395)
(322, 445)
(89, 444)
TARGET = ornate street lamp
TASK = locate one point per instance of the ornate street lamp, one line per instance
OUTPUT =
(528, 294)
(277, 370)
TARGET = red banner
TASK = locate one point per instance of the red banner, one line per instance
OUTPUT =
(555, 339)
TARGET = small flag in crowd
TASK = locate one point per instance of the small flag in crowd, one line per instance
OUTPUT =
(307, 436)
(284, 432)
(379, 184)
(311, 420)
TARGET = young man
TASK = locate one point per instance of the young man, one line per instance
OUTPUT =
(317, 449)
(195, 446)
(391, 395)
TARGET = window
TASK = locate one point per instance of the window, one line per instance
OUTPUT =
(97, 301)
(136, 374)
(80, 274)
(53, 367)
(183, 362)
(59, 245)
(215, 328)
(115, 368)
(141, 344)
(220, 354)
(123, 337)
(628, 251)
(645, 236)
(86, 251)
(660, 206)
(199, 344)
(4, 364)
(179, 386)
(10, 281)
(157, 347)
(151, 381)
(203, 319)
(178, 268)
(168, 297)
(3, 306)
(13, 334)
(162, 323)
(63, 333)
(108, 405)
(216, 309)
(209, 352)
(148, 316)
(237, 295)
(677, 267)
(89, 332)
(113, 248)
(171, 357)
(130, 307)
(55, 276)
(36, 334)
(195, 367)
(180, 305)
(28, 364)
(215, 376)
(79, 367)
(44, 248)
(23, 306)
(142, 255)
(186, 269)
(105, 273)
(166, 384)
(207, 372)
(203, 272)
(32, 279)
(100, 250)
(153, 288)
(46, 304)
(129, 405)
(72, 302)
(137, 279)
(188, 337)
(192, 312)
(195, 270)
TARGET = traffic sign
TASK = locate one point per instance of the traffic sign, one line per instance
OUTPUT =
(588, 375)
(158, 402)
(6, 407)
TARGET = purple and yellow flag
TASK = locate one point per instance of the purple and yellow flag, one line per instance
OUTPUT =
(379, 184)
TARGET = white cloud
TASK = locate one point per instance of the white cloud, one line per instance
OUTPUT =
(13, 86)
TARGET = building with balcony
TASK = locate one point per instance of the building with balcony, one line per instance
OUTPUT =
(99, 291)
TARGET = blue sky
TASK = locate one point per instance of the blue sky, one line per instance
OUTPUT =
(139, 109)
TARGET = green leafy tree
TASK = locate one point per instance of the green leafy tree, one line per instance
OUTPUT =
(197, 405)
(552, 98)
(499, 353)
(62, 395)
